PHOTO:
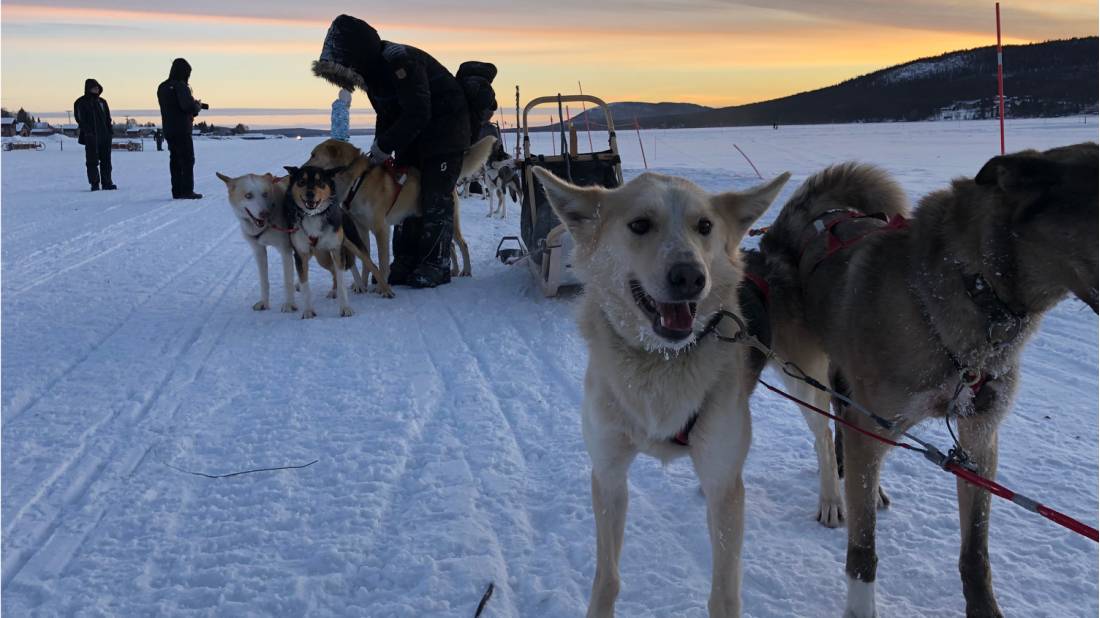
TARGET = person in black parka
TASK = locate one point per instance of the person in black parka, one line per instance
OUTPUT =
(94, 128)
(178, 109)
(421, 117)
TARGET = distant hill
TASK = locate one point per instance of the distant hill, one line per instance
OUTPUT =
(1055, 78)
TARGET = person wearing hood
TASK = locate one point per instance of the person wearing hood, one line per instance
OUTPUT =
(94, 128)
(178, 109)
(422, 121)
(341, 109)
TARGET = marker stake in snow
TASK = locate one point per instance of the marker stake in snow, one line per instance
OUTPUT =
(1000, 78)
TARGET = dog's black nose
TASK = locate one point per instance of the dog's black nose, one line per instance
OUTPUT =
(685, 281)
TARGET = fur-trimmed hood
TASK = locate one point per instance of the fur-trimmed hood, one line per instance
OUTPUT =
(351, 49)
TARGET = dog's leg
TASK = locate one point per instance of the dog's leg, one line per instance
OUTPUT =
(610, 463)
(382, 237)
(260, 252)
(335, 278)
(862, 461)
(719, 456)
(461, 242)
(303, 278)
(978, 437)
(830, 511)
(338, 281)
(383, 288)
(288, 281)
(358, 285)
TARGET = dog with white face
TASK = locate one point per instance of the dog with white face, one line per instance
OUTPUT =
(659, 259)
(256, 201)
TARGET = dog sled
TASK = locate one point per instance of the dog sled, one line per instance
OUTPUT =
(544, 242)
(129, 146)
(9, 146)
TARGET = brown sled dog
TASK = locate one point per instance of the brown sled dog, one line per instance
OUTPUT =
(928, 319)
(380, 202)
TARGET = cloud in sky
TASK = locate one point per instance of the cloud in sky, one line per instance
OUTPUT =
(717, 52)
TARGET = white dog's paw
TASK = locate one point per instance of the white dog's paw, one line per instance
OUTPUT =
(346, 312)
(384, 291)
(261, 306)
(288, 307)
(883, 501)
(331, 293)
(309, 314)
(465, 273)
(830, 511)
(360, 287)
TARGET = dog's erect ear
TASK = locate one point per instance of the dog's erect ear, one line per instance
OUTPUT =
(293, 171)
(1019, 172)
(740, 209)
(577, 207)
(269, 177)
(226, 179)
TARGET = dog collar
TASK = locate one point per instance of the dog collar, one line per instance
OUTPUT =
(1003, 323)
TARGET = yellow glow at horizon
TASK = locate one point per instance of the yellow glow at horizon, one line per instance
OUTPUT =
(264, 62)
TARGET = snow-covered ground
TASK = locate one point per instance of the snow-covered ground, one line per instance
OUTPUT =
(444, 422)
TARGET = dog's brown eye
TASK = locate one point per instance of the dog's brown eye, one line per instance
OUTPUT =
(704, 226)
(265, 194)
(247, 196)
(639, 226)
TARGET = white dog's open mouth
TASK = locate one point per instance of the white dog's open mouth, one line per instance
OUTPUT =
(259, 221)
(673, 321)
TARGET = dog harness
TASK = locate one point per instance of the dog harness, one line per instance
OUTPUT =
(355, 188)
(840, 239)
(399, 174)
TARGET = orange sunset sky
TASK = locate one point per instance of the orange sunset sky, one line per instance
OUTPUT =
(714, 52)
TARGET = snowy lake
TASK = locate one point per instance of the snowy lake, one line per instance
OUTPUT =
(444, 422)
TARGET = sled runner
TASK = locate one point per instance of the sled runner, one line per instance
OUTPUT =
(544, 241)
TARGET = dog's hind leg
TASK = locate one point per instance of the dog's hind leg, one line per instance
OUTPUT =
(338, 280)
(382, 237)
(303, 277)
(978, 437)
(719, 457)
(830, 511)
(383, 288)
(461, 242)
(288, 281)
(260, 252)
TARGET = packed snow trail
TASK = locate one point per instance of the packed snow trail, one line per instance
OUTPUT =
(445, 421)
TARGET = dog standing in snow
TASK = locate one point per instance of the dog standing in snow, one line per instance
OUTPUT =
(257, 203)
(659, 258)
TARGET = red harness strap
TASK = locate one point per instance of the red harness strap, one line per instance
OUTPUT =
(896, 222)
(761, 284)
(395, 173)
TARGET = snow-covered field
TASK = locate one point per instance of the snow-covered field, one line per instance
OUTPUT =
(444, 422)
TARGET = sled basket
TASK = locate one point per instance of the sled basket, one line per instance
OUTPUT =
(545, 239)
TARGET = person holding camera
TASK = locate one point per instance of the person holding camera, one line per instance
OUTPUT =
(178, 109)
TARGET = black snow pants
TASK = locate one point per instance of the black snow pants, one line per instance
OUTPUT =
(97, 158)
(181, 162)
(427, 238)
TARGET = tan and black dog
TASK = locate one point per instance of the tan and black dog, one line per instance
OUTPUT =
(380, 201)
(321, 229)
(927, 317)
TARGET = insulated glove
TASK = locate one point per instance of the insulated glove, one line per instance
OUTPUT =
(377, 155)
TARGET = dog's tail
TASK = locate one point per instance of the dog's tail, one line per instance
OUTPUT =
(476, 157)
(851, 185)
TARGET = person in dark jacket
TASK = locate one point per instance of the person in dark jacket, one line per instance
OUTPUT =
(158, 137)
(422, 121)
(178, 109)
(94, 128)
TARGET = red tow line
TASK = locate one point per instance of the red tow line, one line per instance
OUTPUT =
(969, 476)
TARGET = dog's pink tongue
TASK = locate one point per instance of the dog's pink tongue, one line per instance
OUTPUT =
(676, 316)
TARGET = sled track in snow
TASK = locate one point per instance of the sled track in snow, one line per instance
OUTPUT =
(19, 409)
(79, 485)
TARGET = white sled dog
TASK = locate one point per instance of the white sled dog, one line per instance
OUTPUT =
(659, 258)
(500, 179)
(257, 203)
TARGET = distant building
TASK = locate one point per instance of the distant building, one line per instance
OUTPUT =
(70, 130)
(7, 127)
(41, 129)
(22, 129)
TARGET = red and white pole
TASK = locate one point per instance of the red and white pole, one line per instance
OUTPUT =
(1000, 78)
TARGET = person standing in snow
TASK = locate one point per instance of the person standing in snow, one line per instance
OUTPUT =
(94, 129)
(340, 119)
(422, 121)
(158, 136)
(178, 109)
